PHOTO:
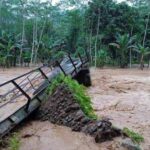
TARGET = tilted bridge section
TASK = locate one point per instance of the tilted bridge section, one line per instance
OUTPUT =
(21, 96)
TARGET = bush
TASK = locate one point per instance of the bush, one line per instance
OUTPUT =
(55, 83)
(2, 61)
(81, 97)
(14, 142)
(102, 58)
(78, 91)
(137, 138)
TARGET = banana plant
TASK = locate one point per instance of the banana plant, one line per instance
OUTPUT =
(143, 52)
(123, 44)
(102, 57)
(8, 52)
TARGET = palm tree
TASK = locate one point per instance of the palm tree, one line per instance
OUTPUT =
(8, 50)
(123, 44)
(102, 58)
(6, 58)
(143, 52)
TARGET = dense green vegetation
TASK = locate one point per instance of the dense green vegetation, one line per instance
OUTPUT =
(34, 31)
(78, 92)
(14, 142)
(137, 138)
(11, 142)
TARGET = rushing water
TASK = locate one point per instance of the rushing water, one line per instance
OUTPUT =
(123, 96)
(47, 136)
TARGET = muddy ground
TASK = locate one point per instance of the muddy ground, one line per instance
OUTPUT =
(123, 95)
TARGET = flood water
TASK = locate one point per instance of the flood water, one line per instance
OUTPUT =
(8, 74)
(122, 95)
(47, 136)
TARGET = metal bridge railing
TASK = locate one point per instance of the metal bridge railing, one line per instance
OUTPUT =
(24, 85)
(29, 85)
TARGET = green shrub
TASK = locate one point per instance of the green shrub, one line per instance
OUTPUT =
(14, 142)
(2, 61)
(101, 58)
(137, 138)
(55, 83)
(81, 97)
(78, 91)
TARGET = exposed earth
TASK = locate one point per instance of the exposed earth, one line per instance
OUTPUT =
(121, 95)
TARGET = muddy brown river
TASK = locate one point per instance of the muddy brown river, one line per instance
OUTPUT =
(122, 95)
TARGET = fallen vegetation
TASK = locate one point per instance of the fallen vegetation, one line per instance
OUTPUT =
(14, 142)
(11, 142)
(136, 137)
(78, 91)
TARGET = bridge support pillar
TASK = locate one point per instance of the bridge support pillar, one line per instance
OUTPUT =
(83, 77)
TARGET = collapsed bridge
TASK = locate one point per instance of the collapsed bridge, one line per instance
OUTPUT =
(21, 96)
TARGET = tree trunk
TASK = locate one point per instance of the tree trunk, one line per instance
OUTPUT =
(131, 50)
(15, 56)
(90, 42)
(146, 28)
(141, 62)
(148, 63)
(97, 37)
(1, 3)
(40, 38)
(130, 58)
(23, 30)
(33, 42)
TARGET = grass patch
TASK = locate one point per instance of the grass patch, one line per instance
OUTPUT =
(81, 97)
(14, 142)
(79, 93)
(137, 138)
(54, 84)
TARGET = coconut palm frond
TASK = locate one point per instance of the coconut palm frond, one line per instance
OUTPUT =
(2, 46)
(147, 53)
(136, 50)
(115, 45)
(132, 47)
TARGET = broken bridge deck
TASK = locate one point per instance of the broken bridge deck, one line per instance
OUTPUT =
(20, 96)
